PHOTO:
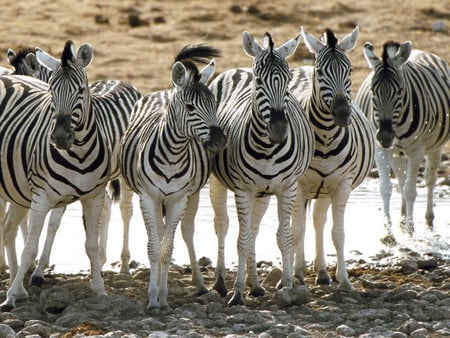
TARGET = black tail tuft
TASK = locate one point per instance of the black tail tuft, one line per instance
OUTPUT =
(198, 53)
(114, 190)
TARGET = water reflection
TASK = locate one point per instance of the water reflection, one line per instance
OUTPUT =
(363, 230)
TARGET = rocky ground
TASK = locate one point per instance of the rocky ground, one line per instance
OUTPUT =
(393, 296)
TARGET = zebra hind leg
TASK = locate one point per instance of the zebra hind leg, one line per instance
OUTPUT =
(187, 231)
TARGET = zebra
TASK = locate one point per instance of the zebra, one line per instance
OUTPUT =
(24, 62)
(53, 152)
(407, 98)
(166, 156)
(270, 147)
(113, 114)
(344, 148)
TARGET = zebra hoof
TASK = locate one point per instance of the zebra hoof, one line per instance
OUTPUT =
(201, 291)
(323, 278)
(237, 299)
(7, 305)
(258, 291)
(389, 240)
(220, 287)
(37, 281)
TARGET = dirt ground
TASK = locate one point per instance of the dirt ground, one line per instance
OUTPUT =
(136, 40)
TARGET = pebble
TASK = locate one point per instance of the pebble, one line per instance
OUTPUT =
(404, 297)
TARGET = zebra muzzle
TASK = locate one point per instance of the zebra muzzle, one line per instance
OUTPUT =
(217, 140)
(62, 135)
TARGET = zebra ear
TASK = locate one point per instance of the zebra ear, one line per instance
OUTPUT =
(179, 77)
(250, 45)
(11, 55)
(402, 55)
(349, 41)
(313, 44)
(47, 60)
(370, 55)
(32, 62)
(289, 47)
(207, 71)
(85, 55)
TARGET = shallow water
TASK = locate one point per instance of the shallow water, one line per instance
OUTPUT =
(363, 229)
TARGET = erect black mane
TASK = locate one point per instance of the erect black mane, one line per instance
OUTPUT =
(20, 55)
(196, 53)
(389, 45)
(66, 55)
(269, 38)
(331, 38)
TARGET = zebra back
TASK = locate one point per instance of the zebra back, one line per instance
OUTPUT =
(407, 97)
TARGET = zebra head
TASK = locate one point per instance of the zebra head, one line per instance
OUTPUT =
(332, 73)
(68, 84)
(387, 87)
(193, 102)
(25, 62)
(271, 79)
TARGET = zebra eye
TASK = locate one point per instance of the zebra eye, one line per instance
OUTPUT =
(258, 82)
(319, 71)
(190, 107)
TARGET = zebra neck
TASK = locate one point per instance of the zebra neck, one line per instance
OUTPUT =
(171, 146)
(87, 132)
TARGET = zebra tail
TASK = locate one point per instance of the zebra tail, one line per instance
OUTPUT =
(114, 190)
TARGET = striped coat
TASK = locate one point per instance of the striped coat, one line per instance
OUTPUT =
(407, 98)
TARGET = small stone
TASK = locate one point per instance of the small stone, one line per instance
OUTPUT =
(346, 331)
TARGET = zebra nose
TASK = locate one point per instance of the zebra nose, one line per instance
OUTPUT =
(385, 134)
(277, 127)
(217, 139)
(341, 111)
(62, 140)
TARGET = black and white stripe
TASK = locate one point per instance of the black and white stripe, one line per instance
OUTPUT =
(270, 147)
(53, 151)
(166, 158)
(112, 101)
(407, 98)
(344, 148)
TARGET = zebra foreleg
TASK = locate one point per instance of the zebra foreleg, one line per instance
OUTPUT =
(174, 214)
(383, 160)
(432, 163)
(153, 218)
(320, 211)
(187, 231)
(103, 229)
(15, 216)
(410, 189)
(37, 277)
(3, 265)
(92, 210)
(259, 209)
(29, 253)
(338, 203)
(244, 206)
(284, 234)
(218, 196)
(298, 228)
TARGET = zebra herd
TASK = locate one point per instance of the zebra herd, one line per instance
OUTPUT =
(295, 133)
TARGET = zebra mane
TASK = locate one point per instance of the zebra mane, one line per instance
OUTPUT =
(390, 48)
(330, 38)
(270, 41)
(21, 55)
(196, 53)
(67, 54)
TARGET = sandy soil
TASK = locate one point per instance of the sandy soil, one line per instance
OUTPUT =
(136, 40)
